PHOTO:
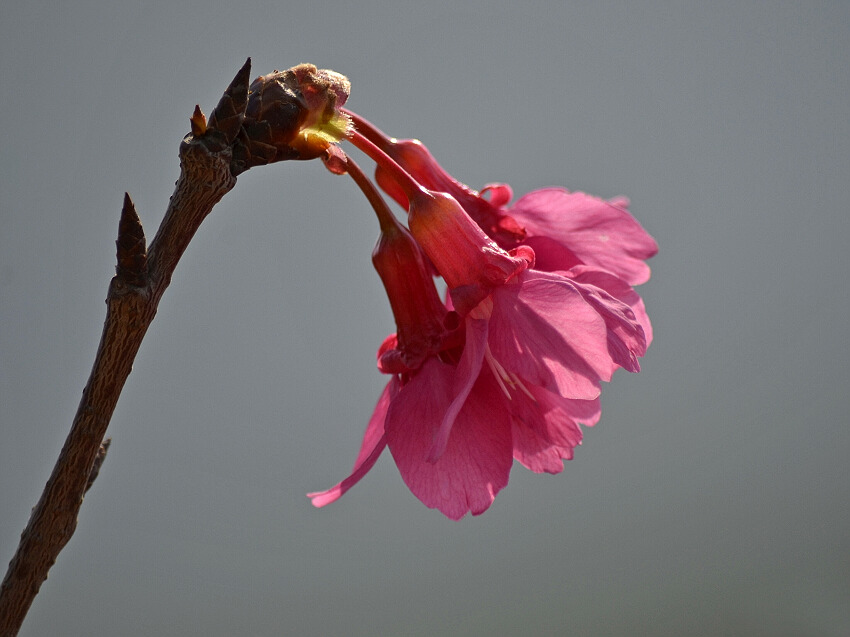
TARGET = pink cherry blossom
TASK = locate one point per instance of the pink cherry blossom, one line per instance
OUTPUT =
(533, 347)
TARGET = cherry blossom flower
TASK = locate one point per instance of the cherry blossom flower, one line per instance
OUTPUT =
(508, 371)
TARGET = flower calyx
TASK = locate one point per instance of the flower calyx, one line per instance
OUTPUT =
(424, 326)
(471, 263)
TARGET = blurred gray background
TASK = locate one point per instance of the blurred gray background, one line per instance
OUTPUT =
(712, 498)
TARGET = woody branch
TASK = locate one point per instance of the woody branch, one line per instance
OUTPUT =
(142, 275)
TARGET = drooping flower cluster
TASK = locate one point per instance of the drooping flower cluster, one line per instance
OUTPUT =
(540, 309)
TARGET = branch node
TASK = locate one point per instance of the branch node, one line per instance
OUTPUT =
(132, 265)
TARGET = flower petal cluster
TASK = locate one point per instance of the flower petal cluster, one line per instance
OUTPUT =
(540, 310)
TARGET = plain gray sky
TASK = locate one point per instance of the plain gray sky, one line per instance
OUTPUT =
(710, 500)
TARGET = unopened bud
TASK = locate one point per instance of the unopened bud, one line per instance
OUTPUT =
(293, 114)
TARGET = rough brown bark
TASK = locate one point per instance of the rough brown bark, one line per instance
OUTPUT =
(134, 294)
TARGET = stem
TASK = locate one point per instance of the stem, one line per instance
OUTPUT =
(386, 219)
(370, 131)
(408, 184)
(134, 294)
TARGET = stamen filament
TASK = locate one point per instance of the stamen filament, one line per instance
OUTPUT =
(518, 383)
(498, 371)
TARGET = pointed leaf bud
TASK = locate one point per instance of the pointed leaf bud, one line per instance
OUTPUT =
(198, 122)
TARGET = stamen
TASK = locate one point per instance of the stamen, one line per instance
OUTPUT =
(498, 371)
(518, 383)
(499, 378)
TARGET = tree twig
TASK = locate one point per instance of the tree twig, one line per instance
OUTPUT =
(142, 275)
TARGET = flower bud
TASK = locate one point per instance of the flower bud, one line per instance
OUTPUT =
(292, 114)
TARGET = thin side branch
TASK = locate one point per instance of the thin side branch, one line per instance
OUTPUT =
(142, 275)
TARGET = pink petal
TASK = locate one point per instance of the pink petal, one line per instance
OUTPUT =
(467, 372)
(537, 455)
(626, 338)
(477, 460)
(617, 288)
(580, 334)
(543, 330)
(545, 430)
(599, 232)
(373, 444)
